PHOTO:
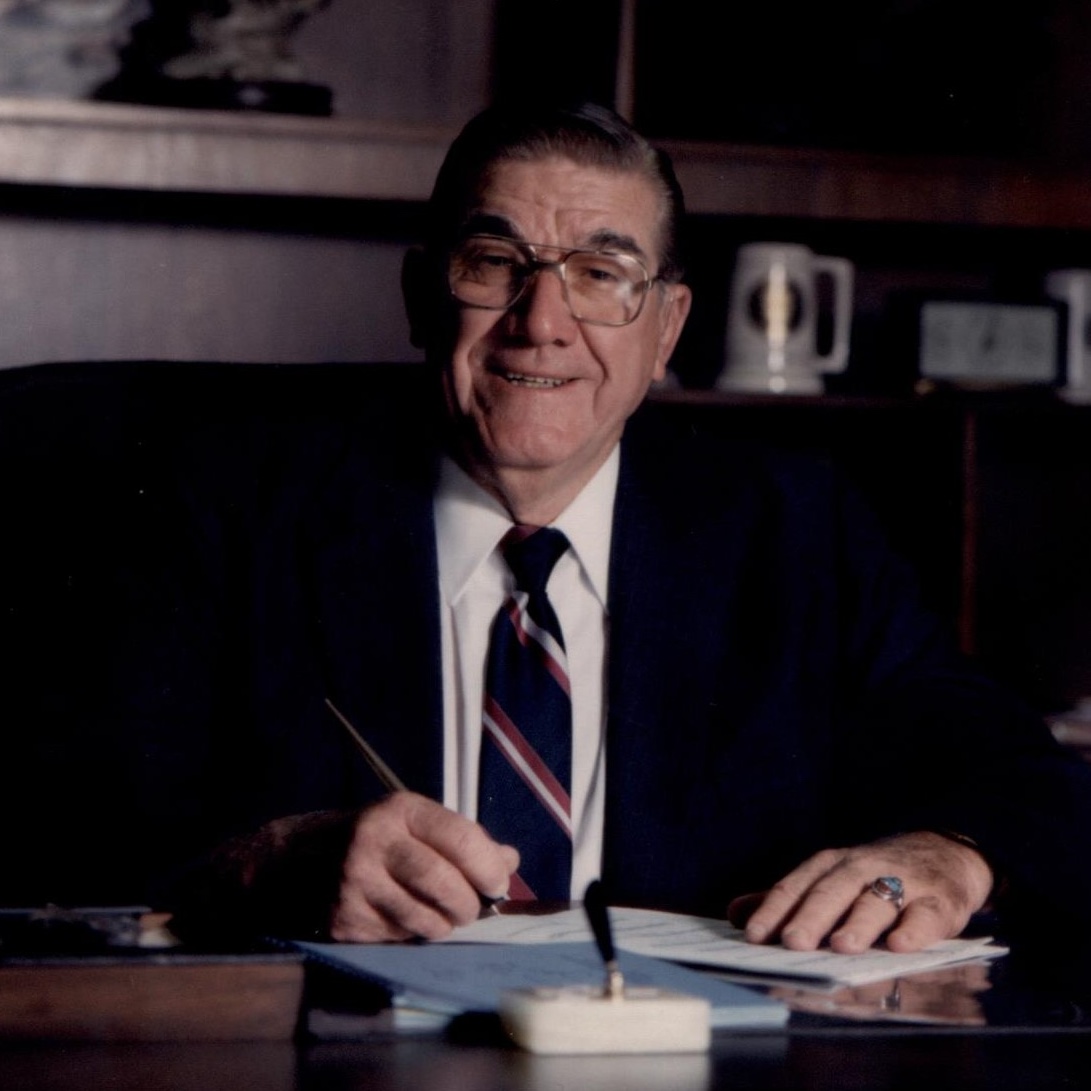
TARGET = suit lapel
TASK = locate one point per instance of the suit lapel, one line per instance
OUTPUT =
(636, 743)
(370, 553)
(673, 592)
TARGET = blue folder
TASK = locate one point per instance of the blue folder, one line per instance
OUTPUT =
(455, 978)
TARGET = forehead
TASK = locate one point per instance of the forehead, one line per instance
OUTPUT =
(565, 203)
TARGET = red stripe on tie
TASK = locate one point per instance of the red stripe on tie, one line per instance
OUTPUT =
(557, 669)
(537, 776)
(518, 891)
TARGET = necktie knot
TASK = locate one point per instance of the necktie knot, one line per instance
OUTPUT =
(531, 553)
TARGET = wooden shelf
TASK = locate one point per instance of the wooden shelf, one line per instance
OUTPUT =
(820, 184)
(72, 143)
(68, 143)
(669, 394)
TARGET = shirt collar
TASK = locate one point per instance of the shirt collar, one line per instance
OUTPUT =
(470, 524)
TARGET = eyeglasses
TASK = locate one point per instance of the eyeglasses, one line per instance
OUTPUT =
(601, 287)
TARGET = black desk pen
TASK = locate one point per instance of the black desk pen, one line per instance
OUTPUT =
(582, 1019)
(390, 780)
(598, 916)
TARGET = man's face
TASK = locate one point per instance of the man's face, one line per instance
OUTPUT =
(531, 390)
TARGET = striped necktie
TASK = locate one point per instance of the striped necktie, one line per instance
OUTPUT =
(526, 743)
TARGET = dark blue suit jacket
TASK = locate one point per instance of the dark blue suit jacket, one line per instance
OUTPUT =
(775, 685)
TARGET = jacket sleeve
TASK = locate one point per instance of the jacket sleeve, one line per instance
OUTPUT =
(933, 742)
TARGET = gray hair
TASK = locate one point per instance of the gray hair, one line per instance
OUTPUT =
(587, 133)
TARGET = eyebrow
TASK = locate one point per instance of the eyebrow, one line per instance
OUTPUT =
(481, 223)
(605, 239)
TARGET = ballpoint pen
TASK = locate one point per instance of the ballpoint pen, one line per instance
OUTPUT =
(391, 781)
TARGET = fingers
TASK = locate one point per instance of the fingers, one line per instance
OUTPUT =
(870, 917)
(485, 864)
(804, 906)
(830, 898)
(923, 923)
(416, 869)
(742, 908)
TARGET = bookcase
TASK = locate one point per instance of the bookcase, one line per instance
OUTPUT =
(135, 232)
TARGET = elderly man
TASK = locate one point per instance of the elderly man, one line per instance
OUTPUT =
(706, 672)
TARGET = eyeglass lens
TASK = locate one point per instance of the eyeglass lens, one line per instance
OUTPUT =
(599, 287)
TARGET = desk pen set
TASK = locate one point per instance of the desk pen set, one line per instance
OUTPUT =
(614, 1018)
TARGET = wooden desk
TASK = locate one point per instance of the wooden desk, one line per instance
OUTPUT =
(801, 1059)
(1030, 1037)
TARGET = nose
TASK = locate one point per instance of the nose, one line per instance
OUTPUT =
(541, 313)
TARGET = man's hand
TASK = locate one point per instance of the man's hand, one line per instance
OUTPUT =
(416, 869)
(828, 897)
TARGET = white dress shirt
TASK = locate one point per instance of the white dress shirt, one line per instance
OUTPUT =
(474, 582)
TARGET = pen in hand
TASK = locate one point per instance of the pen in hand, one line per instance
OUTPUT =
(391, 781)
(386, 775)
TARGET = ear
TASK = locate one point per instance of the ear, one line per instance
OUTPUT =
(419, 295)
(673, 312)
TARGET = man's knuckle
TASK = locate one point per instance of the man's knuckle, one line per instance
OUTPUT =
(449, 890)
(404, 861)
(942, 909)
(829, 889)
(423, 921)
(829, 858)
(782, 889)
(355, 874)
(356, 921)
(466, 839)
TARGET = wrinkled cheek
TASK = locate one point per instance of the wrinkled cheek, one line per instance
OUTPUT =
(458, 388)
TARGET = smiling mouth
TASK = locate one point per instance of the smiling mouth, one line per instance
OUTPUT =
(532, 381)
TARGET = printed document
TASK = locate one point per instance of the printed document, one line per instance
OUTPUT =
(708, 942)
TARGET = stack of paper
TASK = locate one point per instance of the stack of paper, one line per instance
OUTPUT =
(705, 941)
(432, 982)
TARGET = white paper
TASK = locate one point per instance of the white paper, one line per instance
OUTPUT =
(705, 941)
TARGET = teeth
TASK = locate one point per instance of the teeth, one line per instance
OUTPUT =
(527, 380)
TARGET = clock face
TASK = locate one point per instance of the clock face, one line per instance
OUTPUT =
(989, 342)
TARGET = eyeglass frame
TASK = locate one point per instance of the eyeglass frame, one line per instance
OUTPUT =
(536, 265)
